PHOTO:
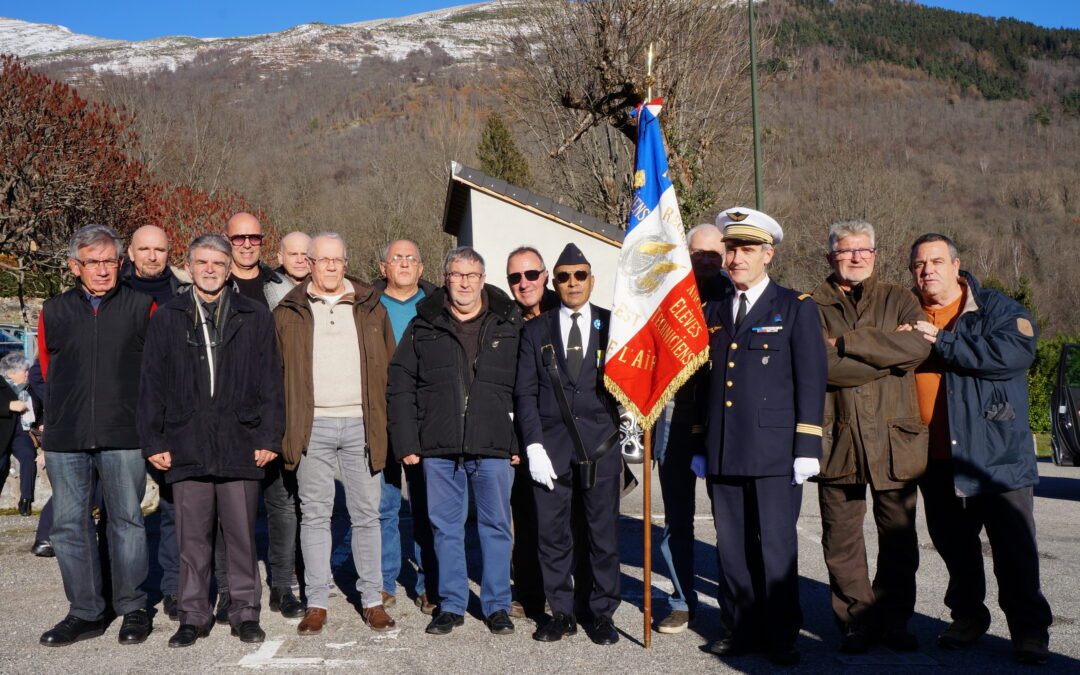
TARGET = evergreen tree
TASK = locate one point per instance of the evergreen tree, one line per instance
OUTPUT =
(499, 155)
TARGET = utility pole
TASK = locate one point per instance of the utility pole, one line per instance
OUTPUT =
(760, 194)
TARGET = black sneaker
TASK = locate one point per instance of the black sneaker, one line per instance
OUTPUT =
(962, 633)
(499, 623)
(43, 549)
(444, 622)
(71, 630)
(135, 628)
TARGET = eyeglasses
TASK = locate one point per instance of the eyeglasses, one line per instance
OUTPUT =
(471, 277)
(107, 263)
(563, 277)
(327, 262)
(850, 253)
(239, 239)
(515, 278)
(403, 260)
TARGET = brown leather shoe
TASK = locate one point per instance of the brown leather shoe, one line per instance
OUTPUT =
(388, 600)
(377, 619)
(425, 606)
(313, 621)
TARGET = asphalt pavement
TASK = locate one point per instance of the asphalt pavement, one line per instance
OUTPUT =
(33, 600)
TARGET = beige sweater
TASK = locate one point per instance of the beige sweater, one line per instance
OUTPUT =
(335, 358)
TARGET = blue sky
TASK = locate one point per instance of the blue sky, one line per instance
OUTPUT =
(139, 20)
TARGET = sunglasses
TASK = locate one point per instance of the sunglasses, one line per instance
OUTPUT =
(563, 277)
(238, 239)
(515, 278)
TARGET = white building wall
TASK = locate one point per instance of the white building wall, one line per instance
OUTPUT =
(495, 227)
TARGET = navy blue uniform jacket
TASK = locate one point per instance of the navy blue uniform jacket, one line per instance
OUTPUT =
(987, 355)
(766, 386)
(594, 409)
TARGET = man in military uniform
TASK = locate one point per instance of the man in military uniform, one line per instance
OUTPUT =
(765, 398)
(558, 426)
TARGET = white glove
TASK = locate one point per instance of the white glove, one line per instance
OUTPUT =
(805, 467)
(540, 466)
(697, 465)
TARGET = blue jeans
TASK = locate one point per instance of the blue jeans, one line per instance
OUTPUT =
(168, 554)
(448, 500)
(389, 521)
(678, 488)
(122, 474)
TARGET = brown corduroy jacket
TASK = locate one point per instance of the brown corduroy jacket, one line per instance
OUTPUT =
(872, 429)
(294, 325)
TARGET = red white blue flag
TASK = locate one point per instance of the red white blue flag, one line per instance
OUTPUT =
(657, 335)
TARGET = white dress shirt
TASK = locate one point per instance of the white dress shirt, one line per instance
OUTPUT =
(752, 295)
(584, 323)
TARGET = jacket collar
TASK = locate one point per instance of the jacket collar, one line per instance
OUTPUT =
(829, 292)
(498, 303)
(364, 296)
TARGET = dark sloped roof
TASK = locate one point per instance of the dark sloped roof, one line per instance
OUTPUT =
(463, 179)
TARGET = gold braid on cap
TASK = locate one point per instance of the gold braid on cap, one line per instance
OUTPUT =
(747, 233)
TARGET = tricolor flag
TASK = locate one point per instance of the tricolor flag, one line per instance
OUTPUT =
(657, 335)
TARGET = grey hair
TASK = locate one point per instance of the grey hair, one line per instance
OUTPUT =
(931, 237)
(465, 253)
(214, 241)
(847, 228)
(92, 235)
(386, 249)
(521, 250)
(14, 361)
(329, 235)
(698, 228)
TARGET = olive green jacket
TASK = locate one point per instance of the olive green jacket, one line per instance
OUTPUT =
(873, 432)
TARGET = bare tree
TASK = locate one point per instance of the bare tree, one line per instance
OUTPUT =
(579, 69)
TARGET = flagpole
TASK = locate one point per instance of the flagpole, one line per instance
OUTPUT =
(646, 483)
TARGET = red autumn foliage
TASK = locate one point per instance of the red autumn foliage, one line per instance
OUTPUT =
(66, 162)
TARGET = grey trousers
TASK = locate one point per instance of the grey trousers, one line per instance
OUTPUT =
(339, 444)
(199, 506)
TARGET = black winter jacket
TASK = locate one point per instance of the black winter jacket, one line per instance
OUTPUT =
(91, 361)
(433, 411)
(211, 437)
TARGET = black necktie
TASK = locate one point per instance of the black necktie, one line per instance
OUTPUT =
(742, 311)
(574, 353)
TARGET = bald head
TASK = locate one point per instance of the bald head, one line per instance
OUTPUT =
(149, 251)
(292, 255)
(706, 243)
(244, 232)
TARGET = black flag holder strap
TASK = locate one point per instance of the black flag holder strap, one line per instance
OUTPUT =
(585, 466)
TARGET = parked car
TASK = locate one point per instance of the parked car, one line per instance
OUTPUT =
(1065, 409)
(13, 339)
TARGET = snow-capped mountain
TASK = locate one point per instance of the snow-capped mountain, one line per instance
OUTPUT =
(465, 32)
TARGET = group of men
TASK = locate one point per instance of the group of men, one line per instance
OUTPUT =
(858, 383)
(235, 381)
(252, 381)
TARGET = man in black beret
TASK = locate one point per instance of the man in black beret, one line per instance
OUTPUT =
(569, 425)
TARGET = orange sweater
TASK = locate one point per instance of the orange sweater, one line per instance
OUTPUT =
(932, 403)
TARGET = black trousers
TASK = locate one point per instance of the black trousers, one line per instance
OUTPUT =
(200, 504)
(525, 560)
(1008, 517)
(758, 551)
(560, 550)
(889, 601)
